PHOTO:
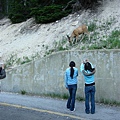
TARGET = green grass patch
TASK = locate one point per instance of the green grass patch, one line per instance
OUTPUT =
(109, 102)
(23, 92)
(92, 27)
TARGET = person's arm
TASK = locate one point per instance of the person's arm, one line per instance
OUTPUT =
(65, 79)
(77, 72)
(82, 67)
(88, 74)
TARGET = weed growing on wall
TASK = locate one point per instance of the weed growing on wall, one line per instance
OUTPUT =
(57, 46)
(109, 102)
(25, 60)
(14, 60)
(23, 92)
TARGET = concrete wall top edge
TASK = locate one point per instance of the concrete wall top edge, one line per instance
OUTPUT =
(60, 52)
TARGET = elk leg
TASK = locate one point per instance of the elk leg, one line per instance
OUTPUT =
(89, 36)
(74, 40)
(82, 37)
(77, 38)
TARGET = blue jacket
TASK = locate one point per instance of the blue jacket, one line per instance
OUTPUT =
(68, 79)
(88, 79)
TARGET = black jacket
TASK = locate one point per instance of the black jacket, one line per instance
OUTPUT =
(2, 74)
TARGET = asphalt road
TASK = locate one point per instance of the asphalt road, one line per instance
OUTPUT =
(15, 113)
(23, 107)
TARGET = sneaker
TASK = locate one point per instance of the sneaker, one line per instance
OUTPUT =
(72, 110)
(92, 111)
(68, 108)
(87, 112)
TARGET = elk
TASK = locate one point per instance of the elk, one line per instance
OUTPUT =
(78, 31)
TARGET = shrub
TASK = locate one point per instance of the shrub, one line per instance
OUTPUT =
(92, 27)
(16, 17)
(23, 92)
(44, 11)
(112, 42)
(48, 14)
(18, 12)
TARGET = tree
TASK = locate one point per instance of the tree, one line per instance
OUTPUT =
(89, 4)
(21, 10)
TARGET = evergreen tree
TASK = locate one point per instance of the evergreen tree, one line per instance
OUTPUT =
(42, 10)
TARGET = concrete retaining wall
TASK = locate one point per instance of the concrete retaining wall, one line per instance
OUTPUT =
(46, 76)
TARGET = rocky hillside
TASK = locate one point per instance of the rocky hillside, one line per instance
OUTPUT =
(23, 42)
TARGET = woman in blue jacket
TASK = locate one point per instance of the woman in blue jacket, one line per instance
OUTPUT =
(71, 74)
(88, 73)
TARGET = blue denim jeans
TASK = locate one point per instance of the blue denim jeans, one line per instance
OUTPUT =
(71, 100)
(90, 95)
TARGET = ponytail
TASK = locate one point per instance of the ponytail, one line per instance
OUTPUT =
(72, 64)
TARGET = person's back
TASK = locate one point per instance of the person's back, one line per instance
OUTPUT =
(89, 79)
(88, 69)
(71, 74)
(70, 80)
(88, 72)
